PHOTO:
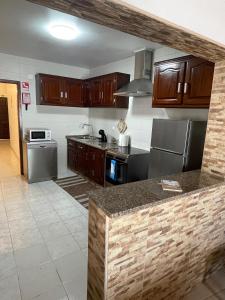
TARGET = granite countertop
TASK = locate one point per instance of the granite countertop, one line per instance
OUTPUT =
(126, 198)
(111, 148)
(95, 142)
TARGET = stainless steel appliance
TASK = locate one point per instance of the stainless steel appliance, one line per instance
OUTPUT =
(40, 160)
(38, 134)
(176, 146)
(125, 164)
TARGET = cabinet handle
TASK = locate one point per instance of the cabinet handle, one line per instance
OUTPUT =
(179, 87)
(185, 88)
(61, 94)
(66, 95)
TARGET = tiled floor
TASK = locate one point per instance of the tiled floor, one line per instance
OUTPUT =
(43, 245)
(9, 164)
(212, 289)
(43, 242)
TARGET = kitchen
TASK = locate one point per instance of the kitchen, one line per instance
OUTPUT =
(71, 123)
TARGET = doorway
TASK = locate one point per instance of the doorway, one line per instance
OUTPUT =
(11, 160)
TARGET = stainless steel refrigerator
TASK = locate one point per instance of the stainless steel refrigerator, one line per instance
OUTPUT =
(176, 146)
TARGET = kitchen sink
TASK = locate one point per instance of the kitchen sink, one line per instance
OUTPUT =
(87, 137)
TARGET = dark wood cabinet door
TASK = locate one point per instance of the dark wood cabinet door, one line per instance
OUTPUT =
(70, 155)
(4, 119)
(109, 87)
(86, 93)
(73, 92)
(198, 82)
(81, 158)
(86, 160)
(96, 92)
(96, 165)
(168, 84)
(51, 90)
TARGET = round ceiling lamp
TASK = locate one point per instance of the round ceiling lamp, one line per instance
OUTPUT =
(63, 32)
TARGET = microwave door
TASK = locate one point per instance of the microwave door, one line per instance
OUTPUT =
(38, 135)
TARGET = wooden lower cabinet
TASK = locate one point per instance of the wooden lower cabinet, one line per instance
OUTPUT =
(86, 160)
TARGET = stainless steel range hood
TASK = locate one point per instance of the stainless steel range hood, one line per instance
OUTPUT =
(142, 84)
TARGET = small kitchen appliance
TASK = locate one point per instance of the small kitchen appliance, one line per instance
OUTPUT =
(103, 136)
(38, 134)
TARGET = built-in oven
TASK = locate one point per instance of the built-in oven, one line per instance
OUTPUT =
(116, 169)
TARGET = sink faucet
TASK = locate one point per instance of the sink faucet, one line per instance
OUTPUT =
(89, 126)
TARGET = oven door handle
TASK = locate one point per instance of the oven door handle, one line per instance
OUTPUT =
(117, 159)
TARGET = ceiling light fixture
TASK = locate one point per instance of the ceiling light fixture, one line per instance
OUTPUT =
(63, 32)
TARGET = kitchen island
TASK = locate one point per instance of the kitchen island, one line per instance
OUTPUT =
(146, 243)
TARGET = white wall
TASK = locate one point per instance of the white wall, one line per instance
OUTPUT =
(140, 114)
(205, 17)
(62, 121)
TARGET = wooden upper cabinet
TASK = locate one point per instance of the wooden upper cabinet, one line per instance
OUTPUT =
(183, 82)
(73, 92)
(86, 86)
(58, 91)
(96, 92)
(168, 83)
(198, 82)
(102, 90)
(49, 90)
(108, 88)
(93, 92)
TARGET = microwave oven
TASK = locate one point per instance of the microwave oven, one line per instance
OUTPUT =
(38, 134)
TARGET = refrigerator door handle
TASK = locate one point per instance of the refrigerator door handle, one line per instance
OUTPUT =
(165, 150)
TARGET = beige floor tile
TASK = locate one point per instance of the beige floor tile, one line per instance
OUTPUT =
(76, 224)
(58, 293)
(9, 288)
(53, 231)
(62, 246)
(7, 265)
(72, 267)
(38, 280)
(32, 256)
(47, 219)
(27, 239)
(5, 245)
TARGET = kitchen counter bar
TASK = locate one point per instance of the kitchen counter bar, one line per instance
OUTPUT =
(123, 199)
(146, 243)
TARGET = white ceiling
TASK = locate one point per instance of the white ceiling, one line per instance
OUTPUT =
(23, 32)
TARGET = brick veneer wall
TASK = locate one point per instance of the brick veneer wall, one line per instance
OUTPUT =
(214, 151)
(96, 253)
(160, 252)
